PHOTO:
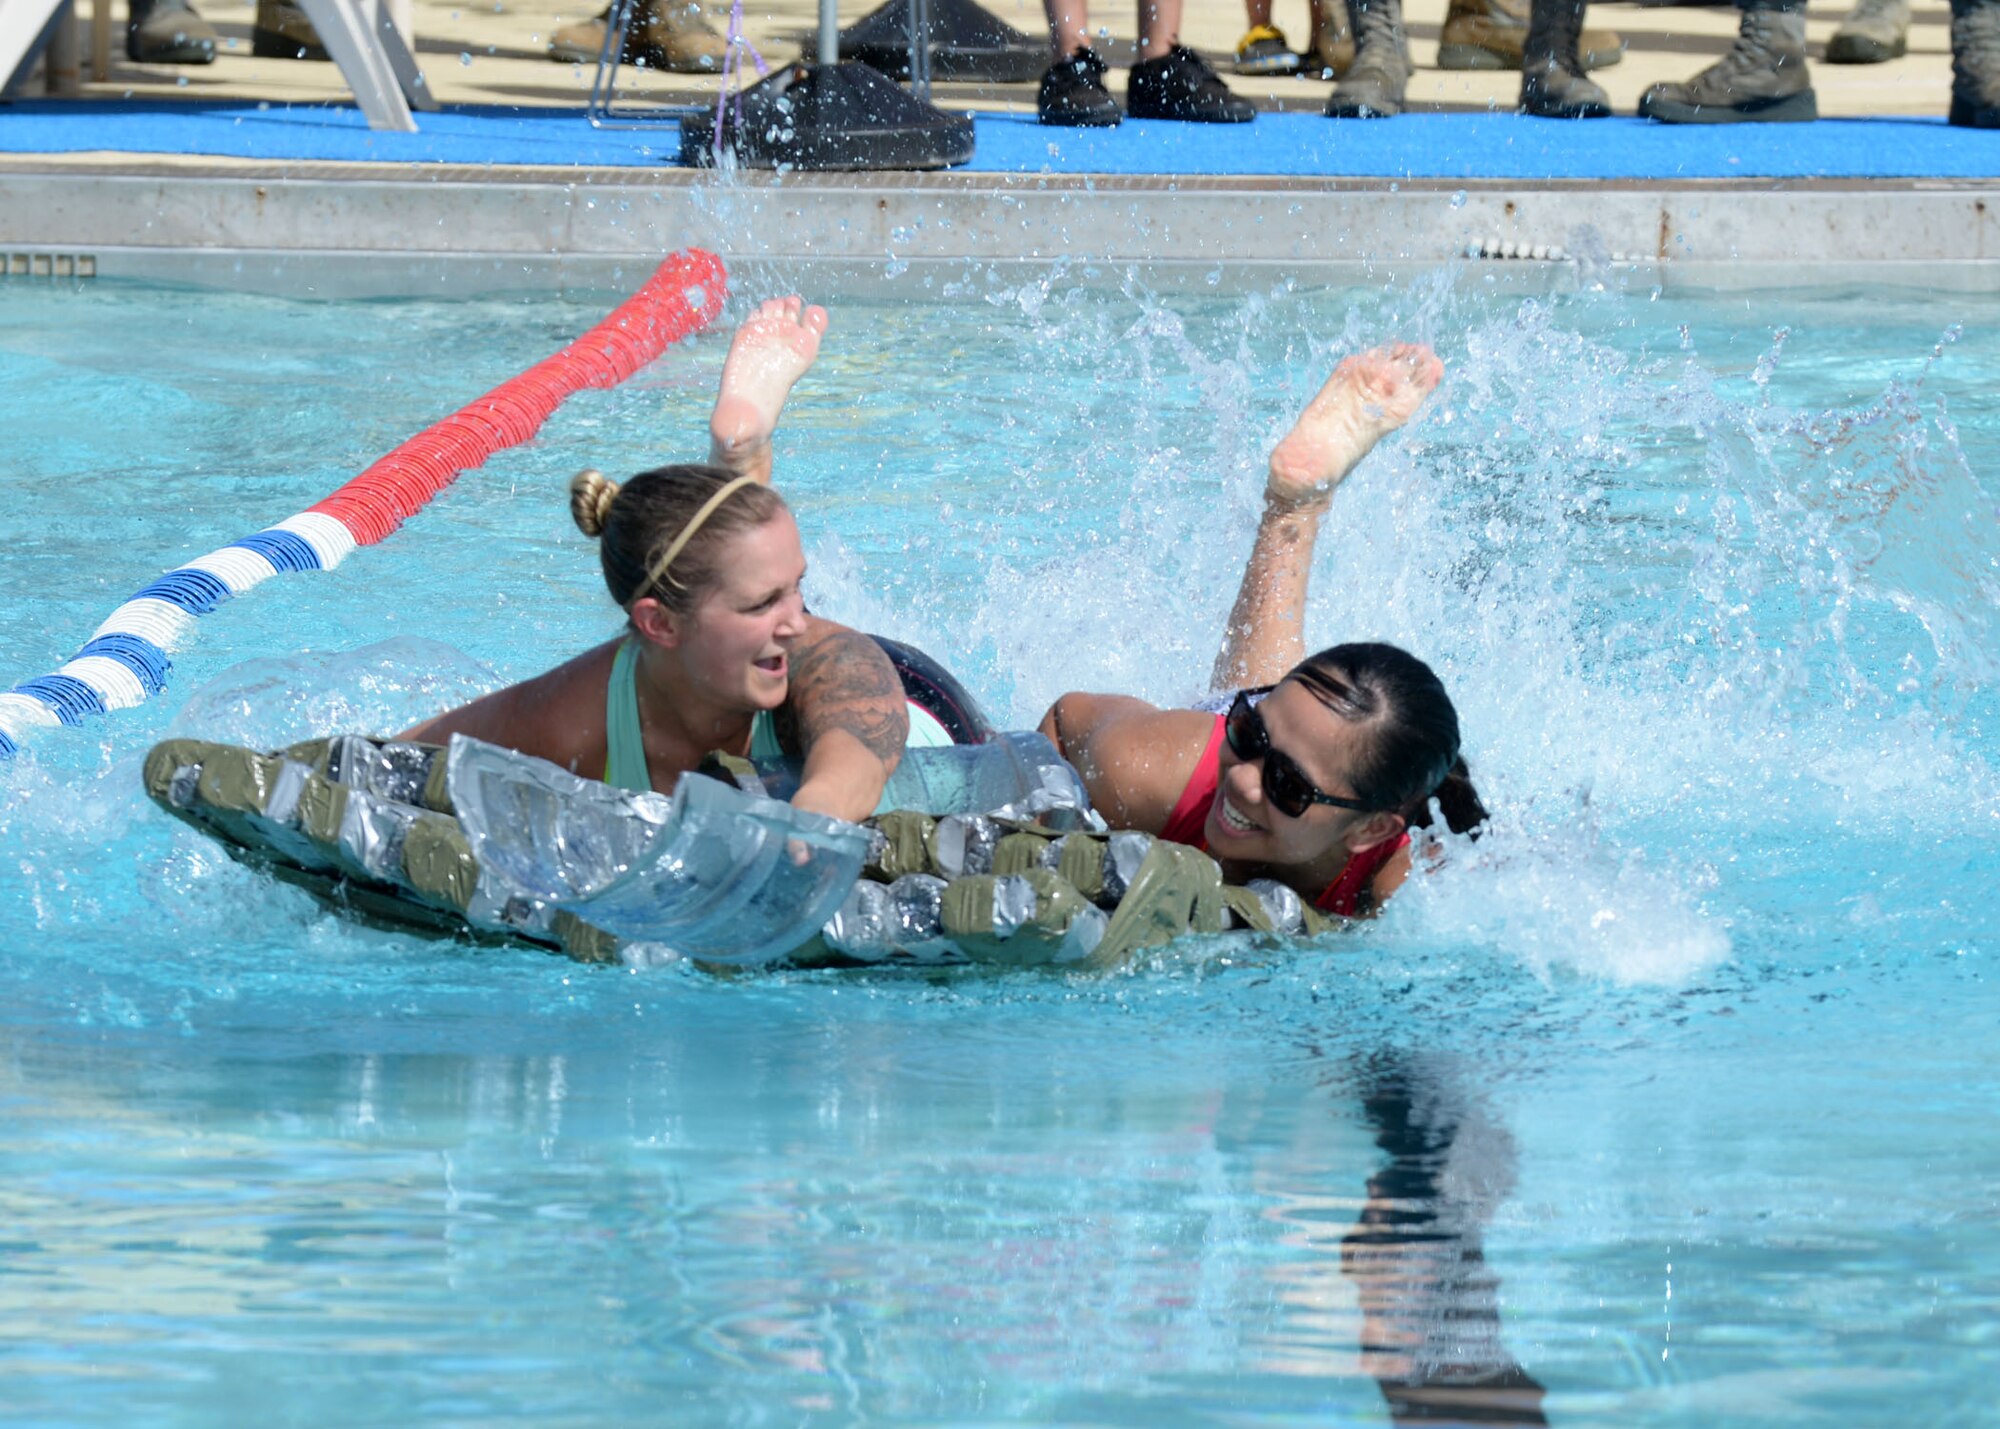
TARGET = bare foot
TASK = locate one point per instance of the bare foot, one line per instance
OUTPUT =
(770, 352)
(1368, 397)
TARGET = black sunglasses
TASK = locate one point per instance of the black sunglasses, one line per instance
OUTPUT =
(1285, 784)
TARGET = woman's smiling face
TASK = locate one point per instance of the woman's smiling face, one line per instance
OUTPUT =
(1244, 827)
(738, 640)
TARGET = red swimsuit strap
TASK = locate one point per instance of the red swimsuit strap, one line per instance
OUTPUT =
(1184, 824)
(1343, 896)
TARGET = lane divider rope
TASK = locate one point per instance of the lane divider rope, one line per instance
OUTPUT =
(126, 659)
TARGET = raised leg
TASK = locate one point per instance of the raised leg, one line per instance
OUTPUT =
(769, 353)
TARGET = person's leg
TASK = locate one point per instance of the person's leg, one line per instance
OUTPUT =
(1552, 80)
(1069, 26)
(1975, 63)
(1159, 27)
(1762, 79)
(1330, 54)
(769, 353)
(1373, 87)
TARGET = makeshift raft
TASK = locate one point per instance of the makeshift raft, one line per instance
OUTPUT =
(483, 841)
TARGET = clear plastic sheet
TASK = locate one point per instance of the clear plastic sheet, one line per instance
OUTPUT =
(714, 873)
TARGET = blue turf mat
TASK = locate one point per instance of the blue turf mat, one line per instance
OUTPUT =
(1438, 146)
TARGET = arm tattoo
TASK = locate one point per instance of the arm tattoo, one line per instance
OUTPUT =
(842, 680)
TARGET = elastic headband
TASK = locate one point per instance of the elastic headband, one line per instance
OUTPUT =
(659, 570)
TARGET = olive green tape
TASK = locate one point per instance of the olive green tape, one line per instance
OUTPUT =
(966, 908)
(1177, 891)
(322, 805)
(438, 861)
(313, 753)
(1082, 864)
(169, 757)
(1248, 908)
(967, 917)
(1019, 852)
(437, 788)
(907, 848)
(238, 780)
(581, 941)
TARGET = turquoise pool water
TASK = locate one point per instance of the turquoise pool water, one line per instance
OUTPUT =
(1673, 1096)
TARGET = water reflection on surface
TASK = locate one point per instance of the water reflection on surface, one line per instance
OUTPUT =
(1389, 1278)
(522, 1235)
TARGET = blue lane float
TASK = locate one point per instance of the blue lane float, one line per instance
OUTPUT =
(127, 659)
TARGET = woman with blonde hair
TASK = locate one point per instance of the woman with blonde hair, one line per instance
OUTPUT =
(719, 652)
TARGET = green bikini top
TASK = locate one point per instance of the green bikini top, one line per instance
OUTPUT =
(625, 746)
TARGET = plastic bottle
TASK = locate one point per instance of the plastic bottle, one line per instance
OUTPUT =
(1009, 773)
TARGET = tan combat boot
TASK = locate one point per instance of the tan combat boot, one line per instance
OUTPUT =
(679, 39)
(1373, 86)
(1493, 34)
(670, 35)
(1762, 80)
(1874, 31)
(1331, 52)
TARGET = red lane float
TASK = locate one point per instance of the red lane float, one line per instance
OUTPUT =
(682, 297)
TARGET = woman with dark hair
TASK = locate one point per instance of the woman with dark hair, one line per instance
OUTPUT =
(719, 652)
(1322, 764)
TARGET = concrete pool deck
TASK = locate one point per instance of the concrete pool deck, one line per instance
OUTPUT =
(186, 174)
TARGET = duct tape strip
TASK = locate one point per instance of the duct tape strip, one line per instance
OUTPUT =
(126, 659)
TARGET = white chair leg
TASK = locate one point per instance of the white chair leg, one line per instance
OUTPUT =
(22, 24)
(373, 59)
(398, 42)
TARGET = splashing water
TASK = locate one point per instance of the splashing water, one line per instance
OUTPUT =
(1713, 582)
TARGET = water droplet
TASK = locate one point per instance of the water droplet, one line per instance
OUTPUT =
(1458, 199)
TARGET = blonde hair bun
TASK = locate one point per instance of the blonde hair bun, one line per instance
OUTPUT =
(590, 496)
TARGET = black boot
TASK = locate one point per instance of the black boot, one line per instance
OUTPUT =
(168, 32)
(1975, 63)
(1552, 80)
(1373, 86)
(1181, 85)
(1073, 93)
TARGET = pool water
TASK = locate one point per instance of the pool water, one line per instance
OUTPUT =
(1667, 1103)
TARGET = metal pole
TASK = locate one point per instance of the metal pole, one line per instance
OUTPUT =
(920, 49)
(61, 62)
(100, 41)
(829, 32)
